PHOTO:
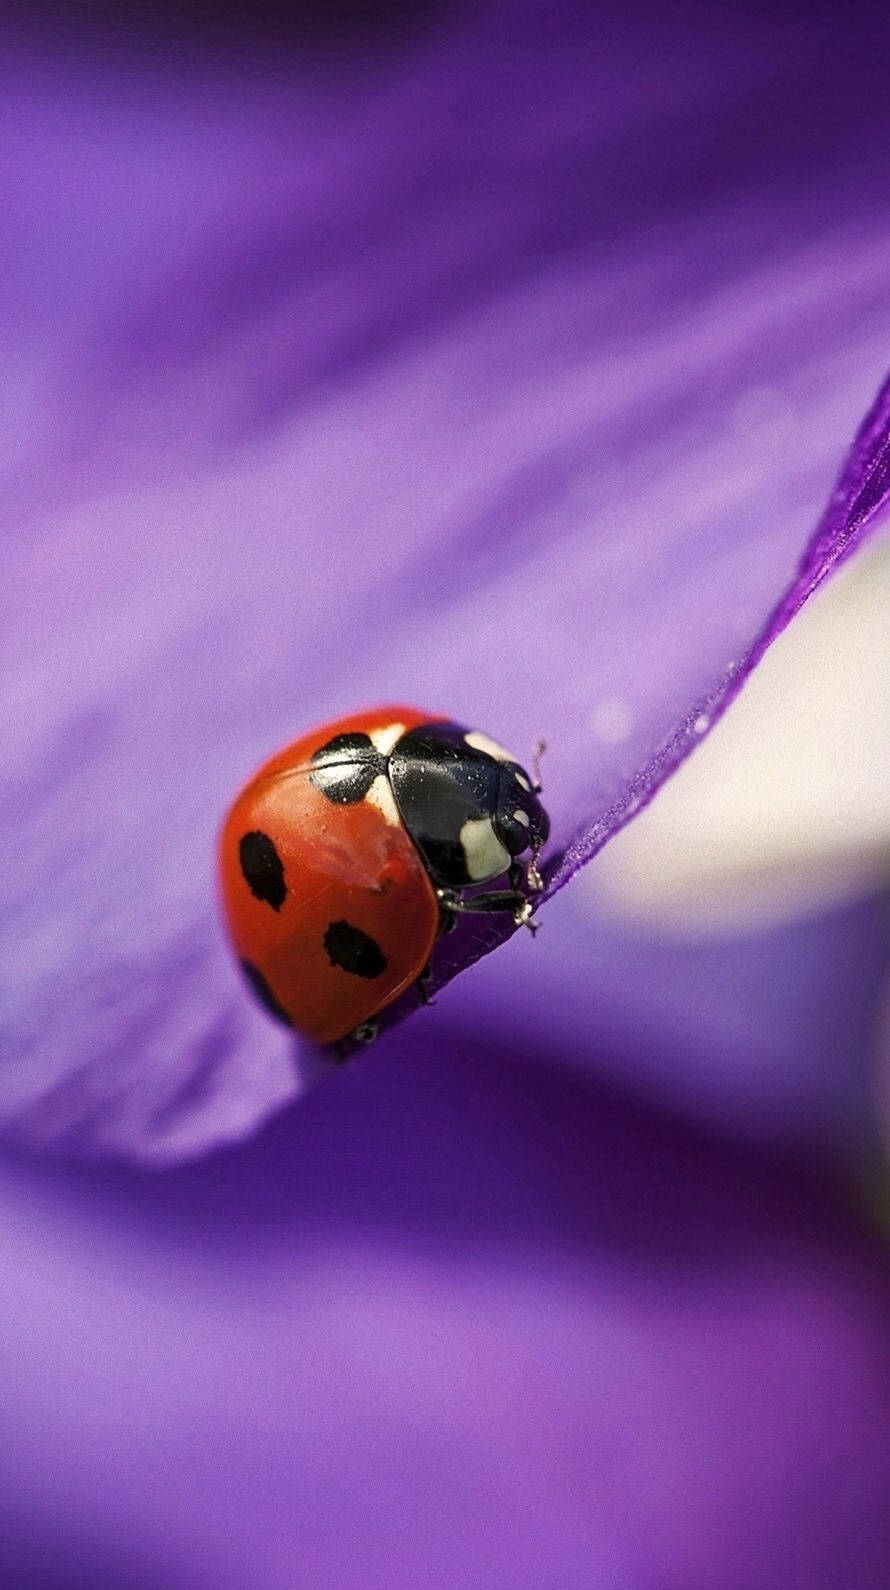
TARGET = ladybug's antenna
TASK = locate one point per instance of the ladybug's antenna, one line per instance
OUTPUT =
(537, 753)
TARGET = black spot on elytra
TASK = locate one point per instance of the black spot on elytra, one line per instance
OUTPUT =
(262, 868)
(264, 993)
(346, 767)
(354, 951)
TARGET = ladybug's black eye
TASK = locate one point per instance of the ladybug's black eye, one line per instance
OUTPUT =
(522, 822)
(513, 832)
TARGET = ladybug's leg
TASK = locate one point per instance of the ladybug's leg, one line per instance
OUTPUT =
(526, 877)
(423, 984)
(523, 917)
(496, 901)
(341, 1050)
(529, 877)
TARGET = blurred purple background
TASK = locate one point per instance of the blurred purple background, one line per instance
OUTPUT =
(502, 359)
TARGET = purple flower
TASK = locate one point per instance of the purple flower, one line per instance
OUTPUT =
(506, 366)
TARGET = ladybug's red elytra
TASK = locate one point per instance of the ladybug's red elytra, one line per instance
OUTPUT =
(350, 851)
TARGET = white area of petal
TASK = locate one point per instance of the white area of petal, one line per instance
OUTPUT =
(786, 806)
(485, 855)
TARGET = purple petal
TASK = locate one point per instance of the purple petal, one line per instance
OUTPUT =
(465, 375)
(770, 1035)
(861, 494)
(447, 1324)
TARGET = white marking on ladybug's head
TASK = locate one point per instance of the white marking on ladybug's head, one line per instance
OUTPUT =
(484, 854)
(384, 738)
(481, 742)
(380, 795)
(523, 782)
(521, 817)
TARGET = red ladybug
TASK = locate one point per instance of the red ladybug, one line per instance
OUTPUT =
(350, 851)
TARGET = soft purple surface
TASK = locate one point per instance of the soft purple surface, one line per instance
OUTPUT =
(772, 1033)
(448, 1323)
(508, 371)
(470, 373)
(858, 499)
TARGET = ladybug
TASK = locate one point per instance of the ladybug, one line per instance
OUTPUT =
(348, 854)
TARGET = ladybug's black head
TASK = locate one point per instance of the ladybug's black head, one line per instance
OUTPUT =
(521, 822)
(469, 808)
